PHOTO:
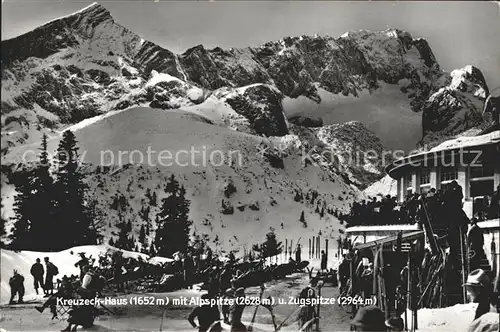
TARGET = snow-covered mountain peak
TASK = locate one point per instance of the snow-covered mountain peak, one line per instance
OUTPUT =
(85, 64)
(469, 77)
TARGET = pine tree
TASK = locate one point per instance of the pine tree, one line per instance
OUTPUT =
(142, 235)
(111, 242)
(302, 219)
(43, 200)
(123, 241)
(21, 237)
(173, 225)
(144, 215)
(271, 247)
(72, 215)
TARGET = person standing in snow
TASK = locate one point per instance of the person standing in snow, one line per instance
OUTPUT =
(49, 277)
(37, 272)
(298, 253)
(323, 260)
(188, 267)
(16, 283)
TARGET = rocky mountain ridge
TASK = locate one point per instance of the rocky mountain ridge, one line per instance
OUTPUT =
(85, 64)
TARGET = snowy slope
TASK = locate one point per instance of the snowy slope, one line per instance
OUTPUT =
(384, 186)
(265, 191)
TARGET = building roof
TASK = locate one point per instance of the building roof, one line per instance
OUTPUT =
(465, 142)
(461, 143)
(389, 239)
(382, 228)
(493, 223)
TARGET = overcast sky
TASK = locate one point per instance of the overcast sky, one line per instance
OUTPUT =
(459, 33)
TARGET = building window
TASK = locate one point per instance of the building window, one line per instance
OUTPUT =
(482, 188)
(425, 177)
(407, 185)
(408, 181)
(487, 169)
(449, 174)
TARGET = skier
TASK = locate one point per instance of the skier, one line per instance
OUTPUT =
(208, 316)
(16, 283)
(37, 272)
(188, 267)
(298, 253)
(323, 260)
(49, 276)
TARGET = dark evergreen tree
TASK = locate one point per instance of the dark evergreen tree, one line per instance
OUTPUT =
(142, 235)
(21, 237)
(322, 212)
(154, 201)
(72, 215)
(96, 218)
(144, 215)
(198, 245)
(302, 219)
(43, 201)
(173, 225)
(271, 247)
(123, 241)
(111, 242)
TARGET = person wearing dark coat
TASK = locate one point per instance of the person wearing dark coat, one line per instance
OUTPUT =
(208, 316)
(16, 283)
(83, 262)
(475, 243)
(37, 272)
(298, 254)
(49, 277)
(494, 210)
(323, 260)
(188, 270)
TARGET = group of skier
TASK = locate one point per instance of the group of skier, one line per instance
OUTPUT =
(16, 282)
